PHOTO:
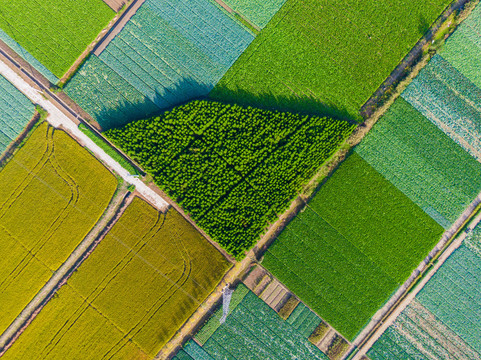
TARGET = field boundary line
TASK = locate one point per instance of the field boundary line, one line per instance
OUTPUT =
(112, 213)
(370, 106)
(117, 27)
(450, 241)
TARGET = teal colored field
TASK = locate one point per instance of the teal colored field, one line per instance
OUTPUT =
(443, 322)
(423, 162)
(168, 53)
(258, 12)
(253, 330)
(462, 47)
(16, 110)
(54, 32)
(450, 101)
(324, 56)
(355, 243)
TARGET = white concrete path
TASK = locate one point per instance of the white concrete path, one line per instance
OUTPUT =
(57, 118)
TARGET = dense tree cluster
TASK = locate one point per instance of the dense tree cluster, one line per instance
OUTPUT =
(234, 169)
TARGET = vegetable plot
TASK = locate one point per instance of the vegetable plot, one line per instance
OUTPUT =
(354, 244)
(326, 57)
(422, 162)
(233, 169)
(168, 53)
(253, 330)
(443, 321)
(16, 111)
(54, 32)
(258, 12)
(128, 298)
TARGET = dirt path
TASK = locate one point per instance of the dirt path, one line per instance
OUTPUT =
(58, 119)
(63, 272)
(388, 314)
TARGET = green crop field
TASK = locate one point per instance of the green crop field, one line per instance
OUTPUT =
(356, 242)
(423, 162)
(55, 32)
(327, 57)
(48, 203)
(233, 169)
(136, 289)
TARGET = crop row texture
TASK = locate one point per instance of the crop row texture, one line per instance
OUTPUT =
(357, 240)
(48, 204)
(54, 32)
(167, 53)
(233, 169)
(443, 320)
(259, 12)
(421, 161)
(16, 110)
(254, 330)
(462, 47)
(450, 101)
(144, 279)
(324, 56)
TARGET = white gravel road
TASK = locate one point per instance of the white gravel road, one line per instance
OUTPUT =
(57, 118)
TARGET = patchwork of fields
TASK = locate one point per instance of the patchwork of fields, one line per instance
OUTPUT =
(259, 12)
(142, 282)
(361, 237)
(422, 162)
(48, 204)
(15, 113)
(253, 330)
(443, 322)
(54, 32)
(159, 59)
(326, 56)
(233, 169)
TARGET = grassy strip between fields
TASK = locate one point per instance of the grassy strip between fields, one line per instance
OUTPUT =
(113, 153)
(52, 192)
(136, 289)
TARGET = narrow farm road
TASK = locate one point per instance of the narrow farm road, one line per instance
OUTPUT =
(58, 119)
(118, 203)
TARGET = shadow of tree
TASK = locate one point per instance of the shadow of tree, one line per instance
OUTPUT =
(302, 105)
(189, 89)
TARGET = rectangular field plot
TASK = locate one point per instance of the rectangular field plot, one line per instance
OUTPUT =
(462, 49)
(135, 290)
(324, 56)
(232, 169)
(54, 32)
(356, 242)
(16, 110)
(424, 163)
(443, 322)
(52, 192)
(253, 330)
(168, 53)
(259, 12)
(450, 101)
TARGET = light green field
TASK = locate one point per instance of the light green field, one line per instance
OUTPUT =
(55, 32)
(52, 192)
(326, 56)
(136, 289)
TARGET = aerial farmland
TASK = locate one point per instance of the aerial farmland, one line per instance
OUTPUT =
(240, 179)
